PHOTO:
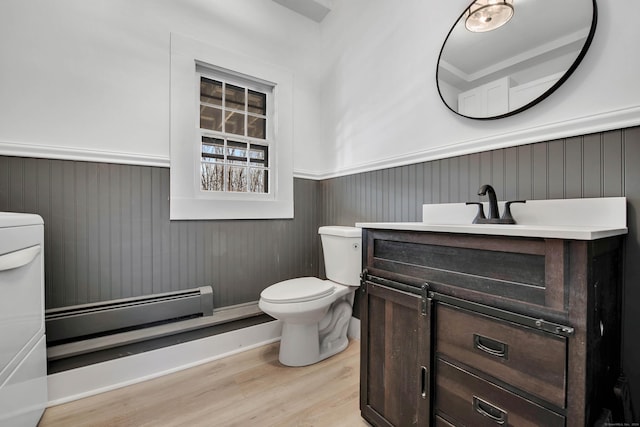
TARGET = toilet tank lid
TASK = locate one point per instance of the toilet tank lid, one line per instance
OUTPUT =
(339, 230)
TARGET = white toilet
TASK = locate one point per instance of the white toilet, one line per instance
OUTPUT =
(315, 313)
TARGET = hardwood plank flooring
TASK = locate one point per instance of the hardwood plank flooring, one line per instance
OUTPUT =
(248, 389)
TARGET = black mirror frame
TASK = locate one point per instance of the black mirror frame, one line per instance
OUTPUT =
(545, 94)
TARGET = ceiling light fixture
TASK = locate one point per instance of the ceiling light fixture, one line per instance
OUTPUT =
(487, 15)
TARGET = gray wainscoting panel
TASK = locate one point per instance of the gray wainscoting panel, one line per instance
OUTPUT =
(583, 166)
(108, 235)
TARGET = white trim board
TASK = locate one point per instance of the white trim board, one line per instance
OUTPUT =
(105, 376)
(612, 120)
(67, 153)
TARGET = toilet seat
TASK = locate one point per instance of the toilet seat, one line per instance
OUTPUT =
(298, 290)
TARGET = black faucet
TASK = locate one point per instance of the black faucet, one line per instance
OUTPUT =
(493, 201)
(494, 215)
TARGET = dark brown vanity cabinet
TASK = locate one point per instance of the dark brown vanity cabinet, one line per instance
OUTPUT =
(479, 330)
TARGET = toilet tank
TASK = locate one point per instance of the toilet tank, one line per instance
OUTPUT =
(342, 248)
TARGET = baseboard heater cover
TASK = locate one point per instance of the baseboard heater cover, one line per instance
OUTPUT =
(67, 323)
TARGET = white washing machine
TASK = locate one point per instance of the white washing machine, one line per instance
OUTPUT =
(23, 351)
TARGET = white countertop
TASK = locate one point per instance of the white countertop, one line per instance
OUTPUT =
(540, 231)
(575, 219)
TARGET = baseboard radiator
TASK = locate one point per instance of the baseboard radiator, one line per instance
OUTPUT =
(80, 321)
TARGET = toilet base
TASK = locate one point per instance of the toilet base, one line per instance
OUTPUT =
(299, 344)
(304, 344)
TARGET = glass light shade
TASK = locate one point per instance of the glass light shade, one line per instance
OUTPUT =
(487, 15)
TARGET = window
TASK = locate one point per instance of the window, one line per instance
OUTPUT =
(233, 131)
(231, 124)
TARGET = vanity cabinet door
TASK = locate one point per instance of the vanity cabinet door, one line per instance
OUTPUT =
(395, 357)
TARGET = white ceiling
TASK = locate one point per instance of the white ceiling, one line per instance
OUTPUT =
(315, 10)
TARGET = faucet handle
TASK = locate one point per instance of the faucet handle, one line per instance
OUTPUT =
(506, 215)
(480, 214)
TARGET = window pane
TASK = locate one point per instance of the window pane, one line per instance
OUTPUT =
(210, 118)
(236, 178)
(258, 180)
(234, 123)
(257, 102)
(211, 177)
(259, 155)
(210, 91)
(256, 127)
(212, 149)
(234, 97)
(237, 152)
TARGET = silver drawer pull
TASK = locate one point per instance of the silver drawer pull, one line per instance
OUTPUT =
(491, 346)
(490, 411)
(18, 258)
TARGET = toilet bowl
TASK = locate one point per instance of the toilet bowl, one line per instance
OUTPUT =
(315, 313)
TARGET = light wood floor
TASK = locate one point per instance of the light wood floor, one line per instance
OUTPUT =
(249, 389)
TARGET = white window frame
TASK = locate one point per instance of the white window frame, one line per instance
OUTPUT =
(187, 200)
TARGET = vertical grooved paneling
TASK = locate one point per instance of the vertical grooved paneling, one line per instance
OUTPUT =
(465, 190)
(108, 234)
(427, 183)
(612, 164)
(525, 172)
(444, 180)
(5, 173)
(555, 174)
(56, 249)
(106, 290)
(119, 290)
(573, 168)
(126, 236)
(82, 238)
(540, 172)
(68, 195)
(454, 178)
(93, 233)
(146, 250)
(435, 182)
(511, 173)
(592, 166)
(475, 180)
(412, 196)
(486, 168)
(497, 173)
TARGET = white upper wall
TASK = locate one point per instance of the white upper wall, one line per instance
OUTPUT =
(89, 79)
(381, 105)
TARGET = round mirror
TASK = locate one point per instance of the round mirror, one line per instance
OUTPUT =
(504, 56)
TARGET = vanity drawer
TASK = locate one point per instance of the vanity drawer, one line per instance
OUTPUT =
(469, 400)
(528, 359)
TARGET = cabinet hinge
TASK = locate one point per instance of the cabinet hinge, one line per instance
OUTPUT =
(424, 292)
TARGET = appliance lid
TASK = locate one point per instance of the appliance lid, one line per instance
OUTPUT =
(298, 290)
(12, 219)
(339, 230)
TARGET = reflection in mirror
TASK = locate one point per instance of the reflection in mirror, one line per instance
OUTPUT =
(488, 71)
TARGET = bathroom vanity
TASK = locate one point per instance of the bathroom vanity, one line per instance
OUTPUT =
(491, 325)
